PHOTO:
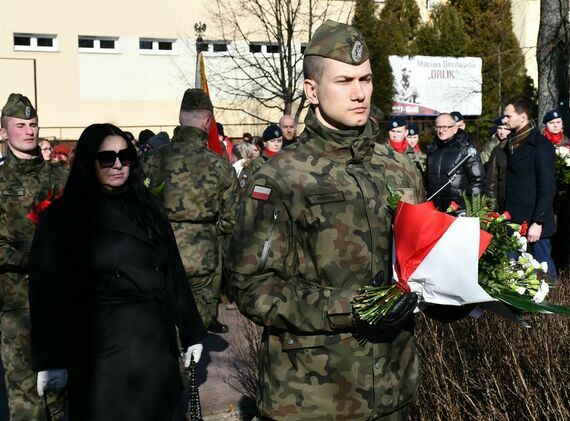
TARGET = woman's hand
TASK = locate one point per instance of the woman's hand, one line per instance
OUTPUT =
(53, 380)
(193, 351)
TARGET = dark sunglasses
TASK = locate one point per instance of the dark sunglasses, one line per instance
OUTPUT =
(107, 159)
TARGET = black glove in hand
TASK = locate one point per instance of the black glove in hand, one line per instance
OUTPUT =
(401, 310)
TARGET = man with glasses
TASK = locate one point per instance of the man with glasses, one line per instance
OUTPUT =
(26, 179)
(449, 148)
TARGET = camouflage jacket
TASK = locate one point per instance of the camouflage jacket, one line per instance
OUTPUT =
(23, 182)
(200, 196)
(312, 229)
(251, 168)
(487, 149)
(418, 158)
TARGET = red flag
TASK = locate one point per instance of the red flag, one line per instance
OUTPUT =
(417, 229)
(201, 82)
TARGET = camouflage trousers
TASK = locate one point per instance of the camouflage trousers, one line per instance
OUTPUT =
(23, 400)
(206, 291)
(401, 414)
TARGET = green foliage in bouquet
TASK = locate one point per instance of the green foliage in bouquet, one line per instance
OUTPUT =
(519, 282)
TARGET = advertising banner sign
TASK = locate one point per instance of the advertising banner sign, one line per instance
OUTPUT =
(428, 86)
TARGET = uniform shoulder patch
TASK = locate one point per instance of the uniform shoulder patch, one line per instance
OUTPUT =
(261, 192)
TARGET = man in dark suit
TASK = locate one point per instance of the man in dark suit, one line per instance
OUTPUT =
(531, 183)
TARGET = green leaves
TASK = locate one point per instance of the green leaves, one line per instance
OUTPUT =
(523, 303)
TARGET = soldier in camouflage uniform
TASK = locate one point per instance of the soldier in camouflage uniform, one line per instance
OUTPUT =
(272, 143)
(25, 179)
(313, 228)
(413, 150)
(200, 196)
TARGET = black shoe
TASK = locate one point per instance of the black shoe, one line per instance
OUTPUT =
(216, 327)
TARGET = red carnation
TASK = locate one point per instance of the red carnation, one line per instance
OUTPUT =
(452, 207)
(524, 228)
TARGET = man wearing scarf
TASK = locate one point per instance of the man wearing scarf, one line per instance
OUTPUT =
(531, 184)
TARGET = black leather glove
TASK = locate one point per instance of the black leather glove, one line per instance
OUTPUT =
(403, 308)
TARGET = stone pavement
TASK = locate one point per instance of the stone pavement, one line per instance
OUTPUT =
(219, 400)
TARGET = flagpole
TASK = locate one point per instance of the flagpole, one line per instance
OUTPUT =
(200, 28)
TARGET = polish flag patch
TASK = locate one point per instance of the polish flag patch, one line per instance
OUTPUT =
(261, 192)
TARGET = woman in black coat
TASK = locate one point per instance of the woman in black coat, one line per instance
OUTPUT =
(108, 291)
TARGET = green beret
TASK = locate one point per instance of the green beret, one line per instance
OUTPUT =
(19, 106)
(196, 99)
(338, 41)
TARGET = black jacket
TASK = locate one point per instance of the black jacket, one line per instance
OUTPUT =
(105, 302)
(531, 184)
(496, 176)
(442, 157)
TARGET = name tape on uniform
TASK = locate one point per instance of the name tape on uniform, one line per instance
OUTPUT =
(261, 192)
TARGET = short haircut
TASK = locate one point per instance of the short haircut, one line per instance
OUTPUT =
(521, 106)
(313, 67)
(4, 121)
(446, 115)
(193, 118)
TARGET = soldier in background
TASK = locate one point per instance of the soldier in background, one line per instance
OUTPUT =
(200, 196)
(459, 119)
(288, 128)
(413, 151)
(312, 229)
(25, 179)
(272, 143)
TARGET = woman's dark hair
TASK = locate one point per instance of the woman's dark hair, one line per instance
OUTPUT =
(258, 141)
(84, 187)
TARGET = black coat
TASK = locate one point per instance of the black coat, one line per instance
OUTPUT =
(531, 183)
(496, 176)
(105, 302)
(469, 179)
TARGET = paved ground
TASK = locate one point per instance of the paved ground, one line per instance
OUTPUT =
(219, 400)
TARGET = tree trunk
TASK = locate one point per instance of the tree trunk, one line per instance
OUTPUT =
(552, 58)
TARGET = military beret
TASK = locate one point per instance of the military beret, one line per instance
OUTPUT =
(338, 41)
(272, 132)
(551, 115)
(413, 129)
(19, 106)
(457, 116)
(499, 121)
(196, 99)
(396, 122)
(61, 149)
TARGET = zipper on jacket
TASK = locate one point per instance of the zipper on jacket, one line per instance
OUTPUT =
(267, 244)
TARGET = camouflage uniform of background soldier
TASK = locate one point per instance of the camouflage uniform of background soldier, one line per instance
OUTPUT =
(22, 181)
(312, 229)
(200, 196)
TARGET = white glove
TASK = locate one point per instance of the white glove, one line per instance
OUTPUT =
(53, 380)
(193, 351)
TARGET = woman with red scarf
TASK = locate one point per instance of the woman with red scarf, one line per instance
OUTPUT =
(272, 143)
(413, 150)
(553, 131)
